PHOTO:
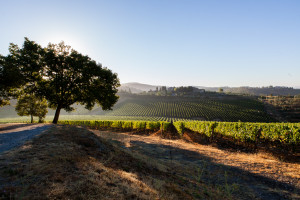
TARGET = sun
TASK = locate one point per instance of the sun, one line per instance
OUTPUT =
(76, 42)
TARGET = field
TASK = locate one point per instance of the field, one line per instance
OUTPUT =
(216, 108)
(287, 106)
(208, 107)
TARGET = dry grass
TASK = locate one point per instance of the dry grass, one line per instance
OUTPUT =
(236, 175)
(72, 163)
(260, 163)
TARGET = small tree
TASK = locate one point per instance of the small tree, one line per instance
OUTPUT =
(30, 105)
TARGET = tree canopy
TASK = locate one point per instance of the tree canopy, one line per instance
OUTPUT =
(30, 105)
(20, 69)
(63, 76)
(10, 78)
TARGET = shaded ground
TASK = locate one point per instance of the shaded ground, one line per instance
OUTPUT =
(14, 135)
(247, 175)
(68, 162)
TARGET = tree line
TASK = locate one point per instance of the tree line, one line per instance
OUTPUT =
(55, 76)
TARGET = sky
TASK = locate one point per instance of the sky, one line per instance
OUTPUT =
(169, 42)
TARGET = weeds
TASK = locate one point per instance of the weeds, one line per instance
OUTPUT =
(229, 189)
(201, 171)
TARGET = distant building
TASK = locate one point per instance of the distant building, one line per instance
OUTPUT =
(197, 90)
(171, 89)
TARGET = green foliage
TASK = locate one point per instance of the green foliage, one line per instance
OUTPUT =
(283, 133)
(30, 105)
(179, 125)
(120, 125)
(10, 77)
(127, 125)
(165, 126)
(153, 126)
(62, 76)
(72, 77)
(139, 125)
(117, 124)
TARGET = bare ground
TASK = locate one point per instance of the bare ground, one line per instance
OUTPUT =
(247, 175)
(68, 162)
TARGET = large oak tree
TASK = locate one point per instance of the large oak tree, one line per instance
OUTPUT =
(64, 76)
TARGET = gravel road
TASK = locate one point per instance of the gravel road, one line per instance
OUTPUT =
(14, 135)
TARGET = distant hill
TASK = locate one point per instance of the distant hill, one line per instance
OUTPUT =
(131, 105)
(257, 91)
(137, 87)
(260, 91)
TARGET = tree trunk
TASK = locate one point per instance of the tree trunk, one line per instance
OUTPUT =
(31, 118)
(55, 120)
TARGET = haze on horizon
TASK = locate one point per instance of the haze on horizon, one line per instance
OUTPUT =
(200, 43)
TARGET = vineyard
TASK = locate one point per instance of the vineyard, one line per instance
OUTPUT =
(277, 133)
(288, 106)
(163, 108)
(208, 107)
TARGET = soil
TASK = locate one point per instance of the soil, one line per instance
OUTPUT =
(246, 175)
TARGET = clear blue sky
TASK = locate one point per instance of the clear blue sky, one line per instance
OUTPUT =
(169, 42)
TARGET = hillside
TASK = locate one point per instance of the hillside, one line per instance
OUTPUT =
(257, 91)
(220, 108)
(137, 87)
(264, 91)
(210, 107)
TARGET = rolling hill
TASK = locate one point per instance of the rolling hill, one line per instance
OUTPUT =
(256, 91)
(206, 107)
(209, 106)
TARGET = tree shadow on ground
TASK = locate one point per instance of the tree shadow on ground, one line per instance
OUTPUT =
(285, 153)
(194, 165)
(12, 140)
(13, 126)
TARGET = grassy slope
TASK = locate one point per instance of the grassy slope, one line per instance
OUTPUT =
(72, 163)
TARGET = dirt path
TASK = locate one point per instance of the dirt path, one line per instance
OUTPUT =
(254, 176)
(14, 135)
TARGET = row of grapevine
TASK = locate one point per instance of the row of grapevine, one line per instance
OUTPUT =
(283, 133)
(246, 110)
(120, 125)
